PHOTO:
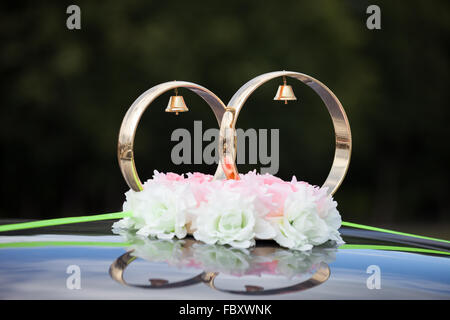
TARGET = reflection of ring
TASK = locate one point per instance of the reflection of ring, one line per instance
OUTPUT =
(130, 122)
(117, 269)
(338, 116)
(320, 276)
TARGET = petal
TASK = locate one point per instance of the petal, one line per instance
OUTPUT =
(165, 236)
(242, 244)
(264, 229)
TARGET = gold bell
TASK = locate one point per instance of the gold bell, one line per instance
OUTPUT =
(285, 92)
(176, 104)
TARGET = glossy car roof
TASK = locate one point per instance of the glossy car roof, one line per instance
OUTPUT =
(42, 263)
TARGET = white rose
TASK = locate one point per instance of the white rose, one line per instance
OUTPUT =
(301, 227)
(327, 210)
(294, 263)
(121, 226)
(228, 217)
(170, 251)
(159, 210)
(214, 258)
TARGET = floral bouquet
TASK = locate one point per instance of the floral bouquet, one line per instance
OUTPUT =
(295, 214)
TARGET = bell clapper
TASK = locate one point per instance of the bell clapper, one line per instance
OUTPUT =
(176, 95)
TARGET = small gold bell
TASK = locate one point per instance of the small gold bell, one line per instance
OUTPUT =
(285, 92)
(176, 104)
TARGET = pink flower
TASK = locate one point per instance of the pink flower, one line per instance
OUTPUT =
(198, 177)
(167, 179)
(170, 176)
(269, 267)
(200, 185)
(273, 191)
(269, 179)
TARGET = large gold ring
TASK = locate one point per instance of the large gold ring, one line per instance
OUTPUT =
(117, 270)
(340, 122)
(130, 122)
(320, 276)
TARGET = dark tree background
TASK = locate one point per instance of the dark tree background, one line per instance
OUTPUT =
(64, 93)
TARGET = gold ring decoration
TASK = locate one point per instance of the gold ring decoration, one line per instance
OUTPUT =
(227, 147)
(340, 122)
(130, 122)
(189, 203)
(117, 270)
(320, 276)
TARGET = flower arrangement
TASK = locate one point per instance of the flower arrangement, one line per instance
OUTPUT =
(295, 214)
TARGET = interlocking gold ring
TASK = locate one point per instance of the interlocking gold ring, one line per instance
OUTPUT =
(227, 117)
(130, 122)
(117, 270)
(320, 276)
(340, 122)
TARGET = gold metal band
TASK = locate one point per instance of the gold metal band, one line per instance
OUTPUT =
(320, 276)
(130, 122)
(227, 148)
(118, 267)
(340, 122)
(227, 118)
(117, 270)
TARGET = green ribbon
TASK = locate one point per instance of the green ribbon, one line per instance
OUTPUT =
(391, 248)
(361, 226)
(120, 215)
(63, 221)
(33, 244)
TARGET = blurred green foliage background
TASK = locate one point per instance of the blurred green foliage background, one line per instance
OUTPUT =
(64, 94)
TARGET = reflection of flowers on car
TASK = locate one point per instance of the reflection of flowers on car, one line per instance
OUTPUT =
(170, 252)
(257, 261)
(291, 263)
(261, 260)
(215, 258)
